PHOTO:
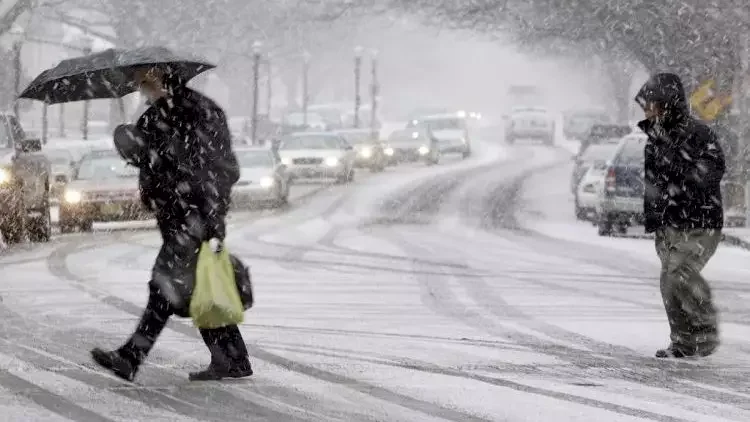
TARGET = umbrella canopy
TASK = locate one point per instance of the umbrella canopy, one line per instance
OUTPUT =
(107, 74)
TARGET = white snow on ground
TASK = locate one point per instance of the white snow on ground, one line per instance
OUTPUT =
(363, 318)
(548, 209)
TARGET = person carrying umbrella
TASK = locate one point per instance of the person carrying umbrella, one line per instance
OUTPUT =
(187, 169)
(182, 147)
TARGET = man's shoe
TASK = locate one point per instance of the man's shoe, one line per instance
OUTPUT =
(218, 372)
(116, 363)
(673, 352)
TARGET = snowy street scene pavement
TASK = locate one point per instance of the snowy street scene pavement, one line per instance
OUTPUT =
(400, 298)
(374, 211)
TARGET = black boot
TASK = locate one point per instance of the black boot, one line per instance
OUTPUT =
(117, 363)
(229, 357)
(218, 371)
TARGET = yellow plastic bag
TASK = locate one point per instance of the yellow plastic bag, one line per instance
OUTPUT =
(215, 301)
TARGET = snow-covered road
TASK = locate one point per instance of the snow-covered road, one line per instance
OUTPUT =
(463, 292)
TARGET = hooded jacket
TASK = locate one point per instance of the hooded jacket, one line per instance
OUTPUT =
(190, 167)
(684, 163)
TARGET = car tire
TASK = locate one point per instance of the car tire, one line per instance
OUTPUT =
(40, 228)
(466, 154)
(87, 226)
(605, 225)
(581, 214)
(12, 229)
(66, 227)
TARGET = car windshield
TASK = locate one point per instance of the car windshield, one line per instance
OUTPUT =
(443, 124)
(298, 119)
(104, 168)
(310, 142)
(597, 153)
(59, 157)
(404, 136)
(356, 137)
(329, 114)
(254, 159)
(589, 118)
(632, 151)
(605, 132)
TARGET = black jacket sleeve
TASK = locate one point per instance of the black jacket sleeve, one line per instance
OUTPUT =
(210, 169)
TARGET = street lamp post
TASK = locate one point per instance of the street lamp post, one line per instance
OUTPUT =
(17, 72)
(374, 92)
(269, 87)
(305, 85)
(256, 69)
(357, 78)
(86, 104)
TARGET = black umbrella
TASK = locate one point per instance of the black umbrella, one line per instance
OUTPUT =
(107, 74)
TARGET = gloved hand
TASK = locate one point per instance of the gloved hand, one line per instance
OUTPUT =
(216, 245)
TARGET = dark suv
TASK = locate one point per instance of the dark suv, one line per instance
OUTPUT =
(621, 204)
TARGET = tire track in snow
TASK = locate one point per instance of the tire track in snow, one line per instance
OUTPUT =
(478, 290)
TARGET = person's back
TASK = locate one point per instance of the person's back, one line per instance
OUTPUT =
(193, 166)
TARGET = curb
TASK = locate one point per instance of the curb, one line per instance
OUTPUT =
(733, 240)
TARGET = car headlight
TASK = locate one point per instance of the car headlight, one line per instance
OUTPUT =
(72, 196)
(286, 161)
(332, 161)
(388, 151)
(423, 150)
(4, 176)
(266, 182)
(366, 152)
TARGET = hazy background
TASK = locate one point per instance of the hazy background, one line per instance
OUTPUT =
(420, 63)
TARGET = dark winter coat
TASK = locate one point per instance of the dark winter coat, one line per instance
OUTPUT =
(684, 163)
(187, 170)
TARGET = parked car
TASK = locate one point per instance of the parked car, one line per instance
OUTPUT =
(296, 121)
(264, 180)
(104, 188)
(588, 187)
(621, 202)
(578, 124)
(604, 134)
(534, 123)
(414, 144)
(24, 185)
(318, 155)
(596, 156)
(370, 151)
(451, 131)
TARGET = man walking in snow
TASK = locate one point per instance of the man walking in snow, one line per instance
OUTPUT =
(182, 147)
(684, 165)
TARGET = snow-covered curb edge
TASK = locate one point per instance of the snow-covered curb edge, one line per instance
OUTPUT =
(737, 241)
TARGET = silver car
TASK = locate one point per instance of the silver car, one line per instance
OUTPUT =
(264, 180)
(103, 188)
(318, 155)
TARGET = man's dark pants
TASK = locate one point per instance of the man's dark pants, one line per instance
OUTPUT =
(176, 260)
(686, 294)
